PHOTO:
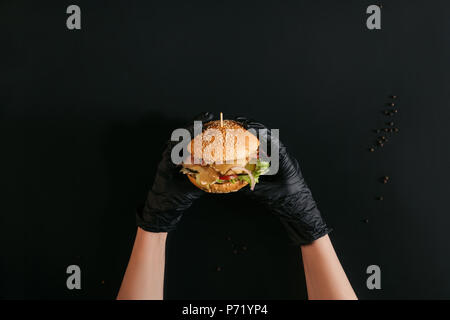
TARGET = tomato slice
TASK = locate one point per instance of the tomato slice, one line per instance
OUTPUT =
(229, 177)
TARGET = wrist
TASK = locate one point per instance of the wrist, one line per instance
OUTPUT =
(159, 237)
(315, 243)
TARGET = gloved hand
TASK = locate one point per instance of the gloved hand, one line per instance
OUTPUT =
(171, 194)
(286, 195)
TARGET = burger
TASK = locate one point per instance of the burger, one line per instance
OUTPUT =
(223, 158)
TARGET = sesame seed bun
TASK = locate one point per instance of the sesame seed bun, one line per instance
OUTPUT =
(218, 144)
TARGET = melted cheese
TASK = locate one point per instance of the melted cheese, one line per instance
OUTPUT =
(206, 175)
(225, 169)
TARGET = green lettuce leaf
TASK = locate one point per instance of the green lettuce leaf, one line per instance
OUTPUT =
(259, 168)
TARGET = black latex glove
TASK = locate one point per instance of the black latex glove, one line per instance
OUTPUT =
(172, 193)
(287, 195)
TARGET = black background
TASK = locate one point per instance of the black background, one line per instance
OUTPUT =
(85, 115)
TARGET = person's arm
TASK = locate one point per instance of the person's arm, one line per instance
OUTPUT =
(287, 195)
(170, 196)
(144, 277)
(325, 278)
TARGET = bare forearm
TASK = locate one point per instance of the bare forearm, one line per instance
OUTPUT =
(325, 277)
(144, 277)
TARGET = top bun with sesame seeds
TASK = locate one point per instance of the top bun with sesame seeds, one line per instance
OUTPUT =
(220, 157)
(220, 144)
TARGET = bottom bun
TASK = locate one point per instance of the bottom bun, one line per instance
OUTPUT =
(219, 187)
